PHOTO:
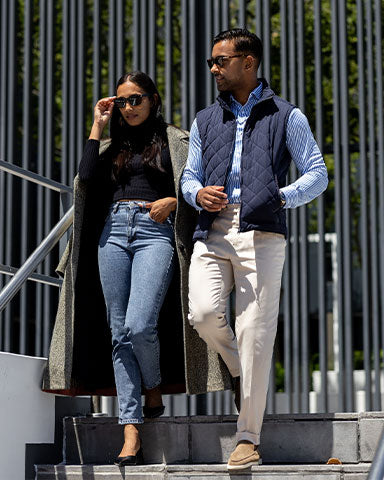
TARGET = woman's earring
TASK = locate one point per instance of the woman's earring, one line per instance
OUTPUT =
(158, 111)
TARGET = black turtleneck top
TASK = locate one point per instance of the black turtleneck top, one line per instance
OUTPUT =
(140, 182)
(136, 180)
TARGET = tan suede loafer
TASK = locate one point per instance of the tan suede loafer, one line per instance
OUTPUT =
(244, 456)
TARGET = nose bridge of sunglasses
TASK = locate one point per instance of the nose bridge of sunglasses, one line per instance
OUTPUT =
(120, 102)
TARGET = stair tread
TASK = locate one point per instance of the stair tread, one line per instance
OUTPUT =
(270, 418)
(202, 472)
(292, 439)
(218, 467)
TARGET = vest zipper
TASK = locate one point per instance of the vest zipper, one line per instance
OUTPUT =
(241, 175)
(230, 162)
(241, 169)
(226, 107)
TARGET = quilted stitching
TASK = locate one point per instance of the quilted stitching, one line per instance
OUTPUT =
(265, 160)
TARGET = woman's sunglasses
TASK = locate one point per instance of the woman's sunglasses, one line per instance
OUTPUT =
(133, 100)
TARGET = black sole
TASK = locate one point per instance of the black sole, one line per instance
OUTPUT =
(153, 412)
(130, 460)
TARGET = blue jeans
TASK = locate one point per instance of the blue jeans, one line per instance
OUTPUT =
(136, 262)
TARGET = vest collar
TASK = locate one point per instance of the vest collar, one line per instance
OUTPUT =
(224, 98)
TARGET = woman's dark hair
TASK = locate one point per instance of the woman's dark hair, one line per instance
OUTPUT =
(147, 138)
(245, 41)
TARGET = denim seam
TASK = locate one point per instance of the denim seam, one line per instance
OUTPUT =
(154, 385)
(129, 213)
(157, 314)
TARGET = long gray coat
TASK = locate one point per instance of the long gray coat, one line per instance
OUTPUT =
(80, 355)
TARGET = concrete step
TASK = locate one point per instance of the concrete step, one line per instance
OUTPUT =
(202, 472)
(286, 439)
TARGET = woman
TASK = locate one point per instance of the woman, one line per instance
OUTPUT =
(136, 247)
(127, 230)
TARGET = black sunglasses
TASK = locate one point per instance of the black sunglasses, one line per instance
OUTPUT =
(133, 100)
(220, 59)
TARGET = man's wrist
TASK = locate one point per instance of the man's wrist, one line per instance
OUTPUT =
(280, 202)
(197, 200)
(197, 204)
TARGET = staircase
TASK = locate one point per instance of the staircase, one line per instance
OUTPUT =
(187, 448)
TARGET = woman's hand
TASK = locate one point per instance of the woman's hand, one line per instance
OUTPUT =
(101, 115)
(160, 209)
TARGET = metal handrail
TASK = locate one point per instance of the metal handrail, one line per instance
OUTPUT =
(35, 277)
(34, 260)
(376, 472)
(26, 270)
(34, 177)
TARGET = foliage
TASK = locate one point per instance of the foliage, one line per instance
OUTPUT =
(279, 376)
(290, 84)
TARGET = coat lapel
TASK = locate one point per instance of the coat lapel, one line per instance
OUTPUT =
(205, 371)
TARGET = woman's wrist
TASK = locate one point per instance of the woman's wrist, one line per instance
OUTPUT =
(173, 203)
(96, 131)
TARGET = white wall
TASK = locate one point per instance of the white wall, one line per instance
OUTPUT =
(27, 415)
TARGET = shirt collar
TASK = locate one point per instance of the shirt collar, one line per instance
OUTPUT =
(253, 98)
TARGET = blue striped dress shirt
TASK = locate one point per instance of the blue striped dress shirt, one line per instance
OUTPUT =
(301, 145)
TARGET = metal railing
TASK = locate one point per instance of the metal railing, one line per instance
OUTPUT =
(35, 178)
(35, 259)
(25, 272)
(376, 472)
(36, 277)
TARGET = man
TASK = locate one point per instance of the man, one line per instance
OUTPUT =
(240, 151)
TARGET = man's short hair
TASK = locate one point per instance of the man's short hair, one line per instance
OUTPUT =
(245, 41)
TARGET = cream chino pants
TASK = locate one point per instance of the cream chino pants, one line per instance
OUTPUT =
(252, 262)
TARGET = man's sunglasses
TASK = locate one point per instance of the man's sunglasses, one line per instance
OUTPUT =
(220, 59)
(133, 100)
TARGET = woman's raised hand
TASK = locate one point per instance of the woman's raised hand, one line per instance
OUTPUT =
(102, 114)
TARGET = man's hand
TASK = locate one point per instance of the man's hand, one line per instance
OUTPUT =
(212, 198)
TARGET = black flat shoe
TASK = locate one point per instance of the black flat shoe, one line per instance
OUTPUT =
(153, 412)
(130, 459)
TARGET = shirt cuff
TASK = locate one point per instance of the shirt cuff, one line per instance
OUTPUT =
(290, 196)
(193, 198)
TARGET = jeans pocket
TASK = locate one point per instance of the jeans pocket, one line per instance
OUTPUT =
(167, 221)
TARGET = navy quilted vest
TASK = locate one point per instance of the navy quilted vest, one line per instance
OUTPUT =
(264, 161)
